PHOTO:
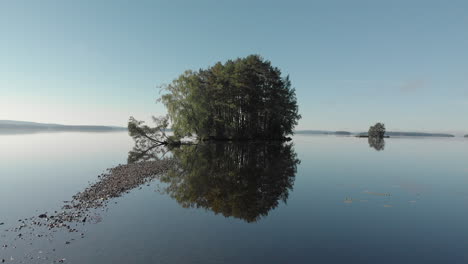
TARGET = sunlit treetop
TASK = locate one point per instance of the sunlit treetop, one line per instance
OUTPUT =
(246, 98)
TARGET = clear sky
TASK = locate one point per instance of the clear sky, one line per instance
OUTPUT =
(353, 63)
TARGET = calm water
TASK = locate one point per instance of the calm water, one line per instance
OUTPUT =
(323, 199)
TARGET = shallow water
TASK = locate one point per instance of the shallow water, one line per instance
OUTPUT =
(347, 202)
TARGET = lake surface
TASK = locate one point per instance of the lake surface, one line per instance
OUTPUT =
(319, 199)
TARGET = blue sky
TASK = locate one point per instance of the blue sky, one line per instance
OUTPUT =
(353, 63)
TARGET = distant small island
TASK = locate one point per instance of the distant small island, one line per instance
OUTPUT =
(417, 134)
(322, 132)
(411, 134)
(364, 134)
(23, 127)
(466, 136)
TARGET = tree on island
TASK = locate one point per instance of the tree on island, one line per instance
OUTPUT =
(241, 99)
(377, 131)
(154, 136)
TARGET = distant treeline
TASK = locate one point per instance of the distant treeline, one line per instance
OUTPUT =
(323, 132)
(390, 133)
(7, 127)
(417, 134)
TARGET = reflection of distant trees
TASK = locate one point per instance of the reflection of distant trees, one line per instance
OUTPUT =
(376, 143)
(245, 181)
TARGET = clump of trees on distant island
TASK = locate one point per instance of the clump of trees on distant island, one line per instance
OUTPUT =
(242, 99)
(377, 131)
(376, 136)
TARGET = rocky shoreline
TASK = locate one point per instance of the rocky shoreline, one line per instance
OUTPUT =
(114, 183)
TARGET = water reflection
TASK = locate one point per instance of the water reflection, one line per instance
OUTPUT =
(244, 181)
(376, 143)
(145, 151)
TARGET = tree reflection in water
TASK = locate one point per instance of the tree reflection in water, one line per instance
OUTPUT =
(244, 180)
(377, 143)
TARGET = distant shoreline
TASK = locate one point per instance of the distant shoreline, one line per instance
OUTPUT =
(364, 134)
(22, 127)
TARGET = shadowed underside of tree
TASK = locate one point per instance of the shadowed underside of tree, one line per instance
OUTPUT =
(246, 98)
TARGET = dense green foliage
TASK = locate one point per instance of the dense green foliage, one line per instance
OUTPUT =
(244, 180)
(145, 136)
(246, 98)
(377, 131)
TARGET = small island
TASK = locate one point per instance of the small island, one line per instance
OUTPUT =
(322, 132)
(240, 100)
(418, 134)
(343, 133)
(409, 134)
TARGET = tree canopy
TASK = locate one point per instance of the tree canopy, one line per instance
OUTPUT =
(246, 98)
(377, 131)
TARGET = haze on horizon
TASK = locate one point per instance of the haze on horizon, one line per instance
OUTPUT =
(352, 63)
